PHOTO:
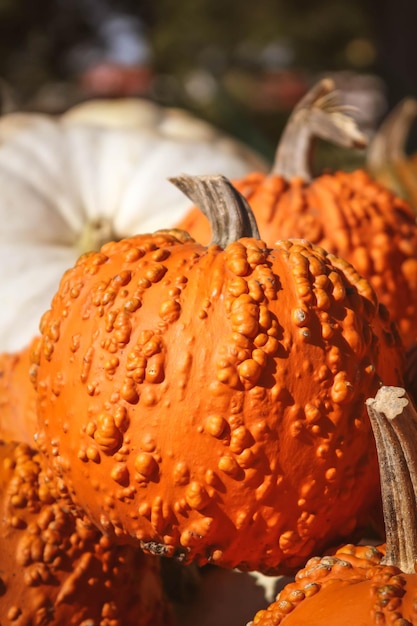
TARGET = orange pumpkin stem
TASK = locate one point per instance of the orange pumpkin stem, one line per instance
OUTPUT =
(394, 422)
(228, 212)
(388, 145)
(318, 114)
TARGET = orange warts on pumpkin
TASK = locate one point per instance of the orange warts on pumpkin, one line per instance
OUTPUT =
(120, 474)
(211, 477)
(146, 467)
(107, 436)
(181, 473)
(215, 425)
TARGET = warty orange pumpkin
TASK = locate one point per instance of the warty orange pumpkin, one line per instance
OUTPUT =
(347, 213)
(57, 568)
(361, 584)
(208, 402)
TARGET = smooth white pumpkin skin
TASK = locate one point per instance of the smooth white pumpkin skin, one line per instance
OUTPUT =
(103, 161)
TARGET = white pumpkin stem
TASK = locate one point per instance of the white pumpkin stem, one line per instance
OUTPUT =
(388, 144)
(394, 422)
(228, 212)
(319, 114)
(95, 234)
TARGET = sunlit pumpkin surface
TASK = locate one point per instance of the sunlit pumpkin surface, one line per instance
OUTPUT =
(209, 404)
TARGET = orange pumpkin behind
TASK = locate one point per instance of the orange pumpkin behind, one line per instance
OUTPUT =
(347, 213)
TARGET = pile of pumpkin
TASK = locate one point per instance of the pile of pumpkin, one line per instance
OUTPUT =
(209, 393)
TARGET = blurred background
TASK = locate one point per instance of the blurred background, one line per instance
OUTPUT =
(240, 66)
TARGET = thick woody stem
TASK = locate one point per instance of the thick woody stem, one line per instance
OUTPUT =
(394, 422)
(318, 114)
(228, 212)
(388, 144)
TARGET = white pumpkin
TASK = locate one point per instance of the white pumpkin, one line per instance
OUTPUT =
(98, 172)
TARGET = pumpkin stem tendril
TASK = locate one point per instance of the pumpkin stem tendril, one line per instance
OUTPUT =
(228, 212)
(389, 143)
(318, 114)
(394, 422)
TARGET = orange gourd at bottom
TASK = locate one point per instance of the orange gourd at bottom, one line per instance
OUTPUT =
(366, 585)
(57, 568)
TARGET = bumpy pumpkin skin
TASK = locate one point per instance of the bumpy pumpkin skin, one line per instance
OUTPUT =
(210, 404)
(350, 587)
(350, 215)
(57, 568)
(18, 420)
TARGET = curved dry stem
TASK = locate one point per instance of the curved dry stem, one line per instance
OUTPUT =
(319, 114)
(228, 212)
(394, 422)
(388, 144)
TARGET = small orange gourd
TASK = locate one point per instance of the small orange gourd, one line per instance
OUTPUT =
(57, 568)
(367, 585)
(347, 213)
(208, 402)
